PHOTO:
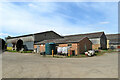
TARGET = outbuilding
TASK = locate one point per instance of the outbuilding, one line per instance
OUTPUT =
(113, 41)
(98, 39)
(77, 45)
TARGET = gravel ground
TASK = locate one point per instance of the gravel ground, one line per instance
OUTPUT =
(26, 65)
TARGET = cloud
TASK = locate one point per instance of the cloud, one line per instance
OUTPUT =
(104, 22)
(4, 34)
(17, 20)
(32, 5)
(65, 18)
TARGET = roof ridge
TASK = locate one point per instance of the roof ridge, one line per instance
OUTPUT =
(33, 34)
(113, 34)
(84, 34)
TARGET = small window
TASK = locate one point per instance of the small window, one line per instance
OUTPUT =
(69, 44)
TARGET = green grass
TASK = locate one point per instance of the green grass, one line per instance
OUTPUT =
(20, 51)
(12, 51)
(107, 51)
(25, 51)
(101, 52)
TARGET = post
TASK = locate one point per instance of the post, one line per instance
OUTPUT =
(52, 53)
(68, 52)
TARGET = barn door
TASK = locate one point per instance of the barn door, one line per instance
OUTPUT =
(85, 47)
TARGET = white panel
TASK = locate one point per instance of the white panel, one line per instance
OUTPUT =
(95, 40)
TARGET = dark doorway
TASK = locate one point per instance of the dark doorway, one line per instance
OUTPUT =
(19, 45)
(73, 52)
(3, 44)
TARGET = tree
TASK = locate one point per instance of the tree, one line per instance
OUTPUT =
(7, 37)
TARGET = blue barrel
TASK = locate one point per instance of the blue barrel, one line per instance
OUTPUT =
(49, 47)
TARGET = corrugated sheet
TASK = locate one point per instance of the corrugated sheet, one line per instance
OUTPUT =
(113, 38)
(63, 40)
(89, 35)
(28, 45)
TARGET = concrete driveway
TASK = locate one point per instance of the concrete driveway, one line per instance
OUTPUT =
(20, 65)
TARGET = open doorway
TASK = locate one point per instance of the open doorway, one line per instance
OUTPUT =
(19, 45)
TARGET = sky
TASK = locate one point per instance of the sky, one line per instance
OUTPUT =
(65, 18)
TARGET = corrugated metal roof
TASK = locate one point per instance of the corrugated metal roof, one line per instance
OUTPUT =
(62, 40)
(89, 35)
(34, 34)
(114, 38)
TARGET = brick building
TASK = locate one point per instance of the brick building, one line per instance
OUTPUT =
(98, 39)
(77, 45)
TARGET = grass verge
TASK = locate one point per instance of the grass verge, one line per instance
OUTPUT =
(20, 51)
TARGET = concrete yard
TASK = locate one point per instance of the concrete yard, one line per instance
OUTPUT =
(23, 65)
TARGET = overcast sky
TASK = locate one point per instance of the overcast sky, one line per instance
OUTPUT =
(65, 18)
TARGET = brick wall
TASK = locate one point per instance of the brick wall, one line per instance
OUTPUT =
(77, 47)
(63, 45)
(35, 46)
(95, 46)
(85, 43)
(74, 47)
(42, 47)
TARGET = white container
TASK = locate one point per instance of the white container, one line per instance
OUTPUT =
(92, 52)
(59, 50)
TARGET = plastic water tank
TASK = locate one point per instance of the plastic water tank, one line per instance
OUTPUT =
(49, 47)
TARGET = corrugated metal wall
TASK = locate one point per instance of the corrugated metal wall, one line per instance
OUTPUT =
(46, 36)
(103, 42)
(28, 45)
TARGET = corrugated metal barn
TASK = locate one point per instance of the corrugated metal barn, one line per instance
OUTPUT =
(113, 41)
(26, 42)
(98, 39)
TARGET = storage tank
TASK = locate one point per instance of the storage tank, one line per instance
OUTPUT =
(49, 47)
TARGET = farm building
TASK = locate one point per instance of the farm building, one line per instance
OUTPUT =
(98, 39)
(26, 42)
(113, 41)
(76, 45)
